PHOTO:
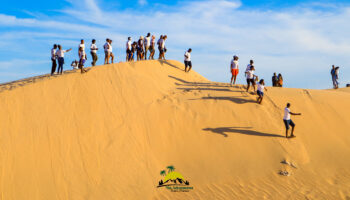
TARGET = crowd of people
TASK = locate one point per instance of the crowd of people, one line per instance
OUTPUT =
(139, 48)
(147, 44)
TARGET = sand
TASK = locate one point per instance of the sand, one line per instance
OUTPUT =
(108, 133)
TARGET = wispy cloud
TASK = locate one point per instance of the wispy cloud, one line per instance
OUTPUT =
(299, 41)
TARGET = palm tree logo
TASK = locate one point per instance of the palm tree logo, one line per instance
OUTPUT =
(170, 168)
(172, 178)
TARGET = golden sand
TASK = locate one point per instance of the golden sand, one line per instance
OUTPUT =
(108, 133)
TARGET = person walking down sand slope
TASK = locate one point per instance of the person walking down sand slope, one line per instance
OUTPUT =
(251, 78)
(188, 62)
(53, 59)
(260, 91)
(60, 58)
(234, 69)
(288, 121)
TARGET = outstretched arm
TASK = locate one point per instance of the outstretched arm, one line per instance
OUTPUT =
(294, 113)
(68, 50)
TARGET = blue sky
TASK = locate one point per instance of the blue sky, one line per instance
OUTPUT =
(300, 39)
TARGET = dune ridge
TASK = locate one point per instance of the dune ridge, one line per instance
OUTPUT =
(107, 134)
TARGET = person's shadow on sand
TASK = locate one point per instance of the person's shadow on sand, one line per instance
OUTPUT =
(240, 130)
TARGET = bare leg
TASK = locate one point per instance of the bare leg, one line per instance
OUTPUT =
(287, 133)
(261, 98)
(235, 77)
(231, 80)
(293, 131)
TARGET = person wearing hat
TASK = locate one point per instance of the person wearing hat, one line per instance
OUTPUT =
(234, 69)
(140, 50)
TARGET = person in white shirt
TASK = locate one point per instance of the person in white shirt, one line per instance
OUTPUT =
(188, 62)
(152, 48)
(82, 59)
(147, 44)
(93, 51)
(53, 59)
(260, 91)
(249, 66)
(162, 48)
(110, 50)
(234, 69)
(60, 58)
(250, 78)
(106, 48)
(288, 121)
(81, 45)
(128, 49)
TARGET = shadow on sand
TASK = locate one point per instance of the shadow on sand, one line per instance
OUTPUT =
(237, 100)
(162, 62)
(240, 130)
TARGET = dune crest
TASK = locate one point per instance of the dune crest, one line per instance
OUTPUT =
(108, 133)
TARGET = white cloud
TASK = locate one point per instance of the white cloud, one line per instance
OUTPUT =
(288, 41)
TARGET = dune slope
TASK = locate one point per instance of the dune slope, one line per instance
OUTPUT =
(108, 133)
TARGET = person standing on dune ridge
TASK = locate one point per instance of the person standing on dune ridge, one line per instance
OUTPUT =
(288, 121)
(106, 49)
(128, 49)
(53, 59)
(147, 44)
(188, 62)
(93, 51)
(60, 58)
(110, 50)
(152, 48)
(234, 69)
(274, 80)
(82, 59)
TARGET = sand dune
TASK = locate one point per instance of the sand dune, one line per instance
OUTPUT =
(107, 134)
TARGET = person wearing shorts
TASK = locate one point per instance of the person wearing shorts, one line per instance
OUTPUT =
(260, 90)
(106, 49)
(188, 62)
(250, 78)
(288, 121)
(234, 69)
(152, 48)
